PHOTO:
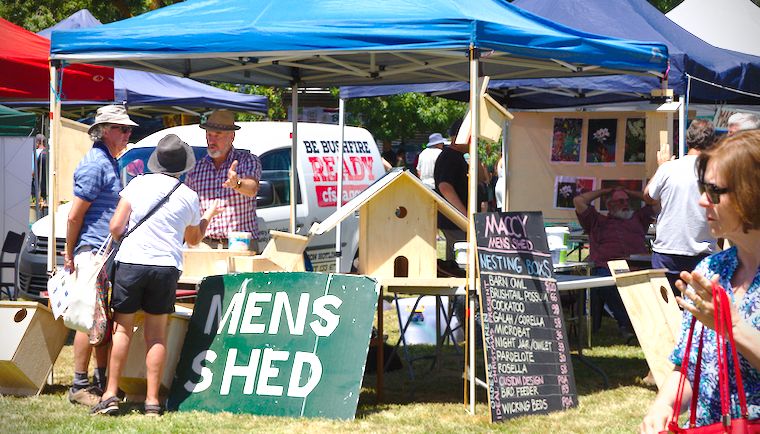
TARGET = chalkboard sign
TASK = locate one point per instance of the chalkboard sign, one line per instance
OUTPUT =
(527, 355)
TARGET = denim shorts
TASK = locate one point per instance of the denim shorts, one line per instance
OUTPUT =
(152, 288)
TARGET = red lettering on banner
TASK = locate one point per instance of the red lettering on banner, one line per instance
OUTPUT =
(366, 162)
(355, 168)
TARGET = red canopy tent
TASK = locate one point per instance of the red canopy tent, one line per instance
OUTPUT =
(25, 73)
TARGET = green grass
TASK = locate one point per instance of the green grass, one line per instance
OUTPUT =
(432, 402)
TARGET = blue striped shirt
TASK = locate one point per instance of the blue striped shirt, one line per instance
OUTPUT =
(96, 180)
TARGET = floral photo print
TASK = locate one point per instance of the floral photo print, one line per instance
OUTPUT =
(601, 143)
(566, 140)
(567, 187)
(635, 140)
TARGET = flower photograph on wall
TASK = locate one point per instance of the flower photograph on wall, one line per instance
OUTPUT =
(566, 140)
(600, 147)
(635, 140)
(567, 187)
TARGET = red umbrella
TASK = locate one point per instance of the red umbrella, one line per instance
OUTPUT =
(25, 73)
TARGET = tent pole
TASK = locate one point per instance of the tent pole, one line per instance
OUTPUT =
(339, 201)
(682, 125)
(505, 161)
(293, 156)
(55, 128)
(472, 207)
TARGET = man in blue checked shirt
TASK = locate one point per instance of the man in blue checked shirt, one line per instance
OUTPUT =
(96, 192)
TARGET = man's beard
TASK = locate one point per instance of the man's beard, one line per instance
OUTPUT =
(214, 154)
(623, 214)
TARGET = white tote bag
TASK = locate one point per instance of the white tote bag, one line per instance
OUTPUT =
(60, 289)
(80, 314)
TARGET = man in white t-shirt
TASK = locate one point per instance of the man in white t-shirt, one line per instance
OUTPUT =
(149, 261)
(683, 236)
(427, 158)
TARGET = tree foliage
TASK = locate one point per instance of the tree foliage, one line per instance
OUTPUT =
(402, 116)
(36, 15)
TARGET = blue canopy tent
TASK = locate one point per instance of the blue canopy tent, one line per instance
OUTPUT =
(150, 92)
(316, 43)
(633, 19)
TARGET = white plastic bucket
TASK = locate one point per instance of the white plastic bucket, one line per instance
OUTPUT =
(239, 241)
(558, 255)
(557, 236)
(460, 253)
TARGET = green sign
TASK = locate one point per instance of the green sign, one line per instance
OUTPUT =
(280, 344)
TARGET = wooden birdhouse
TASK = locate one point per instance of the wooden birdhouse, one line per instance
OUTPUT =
(398, 226)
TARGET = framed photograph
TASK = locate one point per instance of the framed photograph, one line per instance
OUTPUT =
(635, 140)
(566, 140)
(567, 187)
(601, 141)
(628, 184)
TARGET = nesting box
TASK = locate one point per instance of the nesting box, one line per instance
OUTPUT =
(133, 376)
(32, 340)
(283, 252)
(654, 313)
(492, 117)
(398, 218)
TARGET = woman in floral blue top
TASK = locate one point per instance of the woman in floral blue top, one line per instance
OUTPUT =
(729, 179)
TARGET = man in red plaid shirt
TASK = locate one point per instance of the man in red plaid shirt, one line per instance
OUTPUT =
(228, 175)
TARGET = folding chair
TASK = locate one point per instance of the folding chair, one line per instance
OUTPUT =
(11, 246)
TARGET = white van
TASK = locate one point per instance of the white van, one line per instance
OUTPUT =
(271, 141)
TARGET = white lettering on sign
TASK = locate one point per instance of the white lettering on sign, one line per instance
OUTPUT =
(260, 373)
(206, 375)
(249, 307)
(281, 303)
(246, 315)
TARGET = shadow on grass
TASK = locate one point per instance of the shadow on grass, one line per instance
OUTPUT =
(621, 360)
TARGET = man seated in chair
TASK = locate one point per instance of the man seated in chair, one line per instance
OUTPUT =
(617, 235)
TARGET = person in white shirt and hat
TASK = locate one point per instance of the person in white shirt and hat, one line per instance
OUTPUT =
(149, 262)
(427, 158)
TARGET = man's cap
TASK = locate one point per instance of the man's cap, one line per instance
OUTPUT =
(435, 139)
(220, 120)
(112, 114)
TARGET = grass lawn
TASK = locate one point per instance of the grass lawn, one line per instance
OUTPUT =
(432, 402)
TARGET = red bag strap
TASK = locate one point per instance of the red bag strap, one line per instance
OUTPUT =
(725, 308)
(673, 424)
(697, 379)
(720, 346)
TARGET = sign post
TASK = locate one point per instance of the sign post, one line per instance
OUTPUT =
(526, 350)
(280, 344)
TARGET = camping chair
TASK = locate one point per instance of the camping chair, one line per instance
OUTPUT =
(12, 246)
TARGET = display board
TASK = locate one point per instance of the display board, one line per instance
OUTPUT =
(526, 350)
(280, 344)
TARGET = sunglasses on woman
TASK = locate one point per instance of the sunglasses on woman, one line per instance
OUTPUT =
(712, 190)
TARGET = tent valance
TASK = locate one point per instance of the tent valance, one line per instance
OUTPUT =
(318, 43)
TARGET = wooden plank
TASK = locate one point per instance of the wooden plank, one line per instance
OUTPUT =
(655, 317)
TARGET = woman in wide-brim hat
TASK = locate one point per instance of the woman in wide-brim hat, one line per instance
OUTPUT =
(149, 261)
